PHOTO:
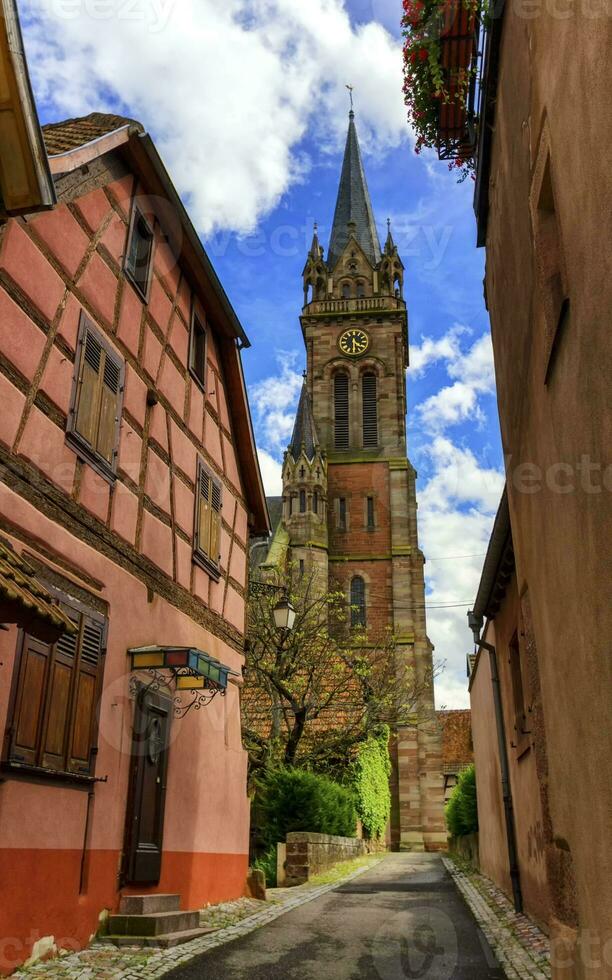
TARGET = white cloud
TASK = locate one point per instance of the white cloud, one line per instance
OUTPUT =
(271, 471)
(456, 511)
(274, 401)
(446, 348)
(228, 88)
(457, 503)
(474, 376)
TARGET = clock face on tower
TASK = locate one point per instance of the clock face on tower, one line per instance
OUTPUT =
(354, 342)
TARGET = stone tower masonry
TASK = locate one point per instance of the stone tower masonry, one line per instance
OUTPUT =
(349, 499)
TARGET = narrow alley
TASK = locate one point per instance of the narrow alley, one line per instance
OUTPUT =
(402, 919)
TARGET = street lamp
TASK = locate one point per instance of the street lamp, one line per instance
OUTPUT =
(284, 614)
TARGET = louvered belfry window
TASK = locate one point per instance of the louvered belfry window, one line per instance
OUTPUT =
(208, 519)
(341, 411)
(370, 410)
(358, 601)
(95, 411)
(54, 723)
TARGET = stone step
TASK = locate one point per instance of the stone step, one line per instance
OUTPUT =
(165, 941)
(153, 924)
(147, 904)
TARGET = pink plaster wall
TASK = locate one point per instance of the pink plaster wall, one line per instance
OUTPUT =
(60, 270)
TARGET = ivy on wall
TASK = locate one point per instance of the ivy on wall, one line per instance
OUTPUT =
(370, 773)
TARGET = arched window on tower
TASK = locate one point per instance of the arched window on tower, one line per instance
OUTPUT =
(370, 409)
(341, 411)
(302, 501)
(358, 601)
(360, 290)
(346, 290)
(315, 502)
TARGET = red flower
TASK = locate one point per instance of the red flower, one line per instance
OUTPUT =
(423, 54)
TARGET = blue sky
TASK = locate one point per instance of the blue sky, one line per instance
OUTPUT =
(246, 102)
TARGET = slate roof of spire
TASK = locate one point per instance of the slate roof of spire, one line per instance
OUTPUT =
(304, 431)
(354, 205)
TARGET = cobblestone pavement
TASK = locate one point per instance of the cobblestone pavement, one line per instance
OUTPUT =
(521, 948)
(231, 920)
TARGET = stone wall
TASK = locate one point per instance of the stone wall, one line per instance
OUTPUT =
(466, 847)
(310, 854)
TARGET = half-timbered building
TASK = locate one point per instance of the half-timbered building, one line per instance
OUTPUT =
(129, 485)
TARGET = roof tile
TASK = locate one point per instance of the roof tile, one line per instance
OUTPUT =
(457, 747)
(61, 137)
(25, 601)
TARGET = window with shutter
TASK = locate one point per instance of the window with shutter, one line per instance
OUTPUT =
(370, 411)
(53, 724)
(197, 350)
(341, 411)
(358, 603)
(208, 520)
(95, 413)
(139, 253)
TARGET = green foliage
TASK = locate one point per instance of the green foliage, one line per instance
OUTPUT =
(370, 773)
(461, 809)
(289, 800)
(267, 863)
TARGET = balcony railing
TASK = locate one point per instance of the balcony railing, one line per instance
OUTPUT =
(460, 55)
(365, 304)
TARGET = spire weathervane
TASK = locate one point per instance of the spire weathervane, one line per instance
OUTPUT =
(351, 89)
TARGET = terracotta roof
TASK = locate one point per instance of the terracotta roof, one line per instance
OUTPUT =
(25, 602)
(61, 137)
(457, 748)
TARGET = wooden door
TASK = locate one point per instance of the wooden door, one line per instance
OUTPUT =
(147, 792)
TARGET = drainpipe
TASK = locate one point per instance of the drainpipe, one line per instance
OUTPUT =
(515, 878)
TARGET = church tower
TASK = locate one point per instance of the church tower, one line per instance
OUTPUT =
(348, 487)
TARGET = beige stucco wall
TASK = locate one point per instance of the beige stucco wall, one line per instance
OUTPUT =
(555, 75)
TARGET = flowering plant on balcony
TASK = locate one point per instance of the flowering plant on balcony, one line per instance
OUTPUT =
(439, 62)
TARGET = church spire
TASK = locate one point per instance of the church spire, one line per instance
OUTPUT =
(304, 438)
(353, 206)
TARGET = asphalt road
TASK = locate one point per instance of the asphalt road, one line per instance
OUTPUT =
(404, 919)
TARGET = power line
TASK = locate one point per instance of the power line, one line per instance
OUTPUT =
(455, 557)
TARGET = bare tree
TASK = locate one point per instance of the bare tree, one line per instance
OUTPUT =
(313, 693)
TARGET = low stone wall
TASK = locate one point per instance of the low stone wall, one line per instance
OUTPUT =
(467, 848)
(310, 854)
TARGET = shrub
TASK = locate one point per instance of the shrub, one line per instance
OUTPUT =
(370, 777)
(267, 863)
(288, 800)
(461, 809)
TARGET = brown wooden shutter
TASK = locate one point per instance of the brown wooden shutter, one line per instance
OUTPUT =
(204, 512)
(341, 411)
(215, 522)
(370, 411)
(110, 394)
(88, 390)
(83, 715)
(29, 706)
(56, 722)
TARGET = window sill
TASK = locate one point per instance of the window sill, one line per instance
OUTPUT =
(142, 294)
(198, 381)
(203, 561)
(40, 774)
(83, 451)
